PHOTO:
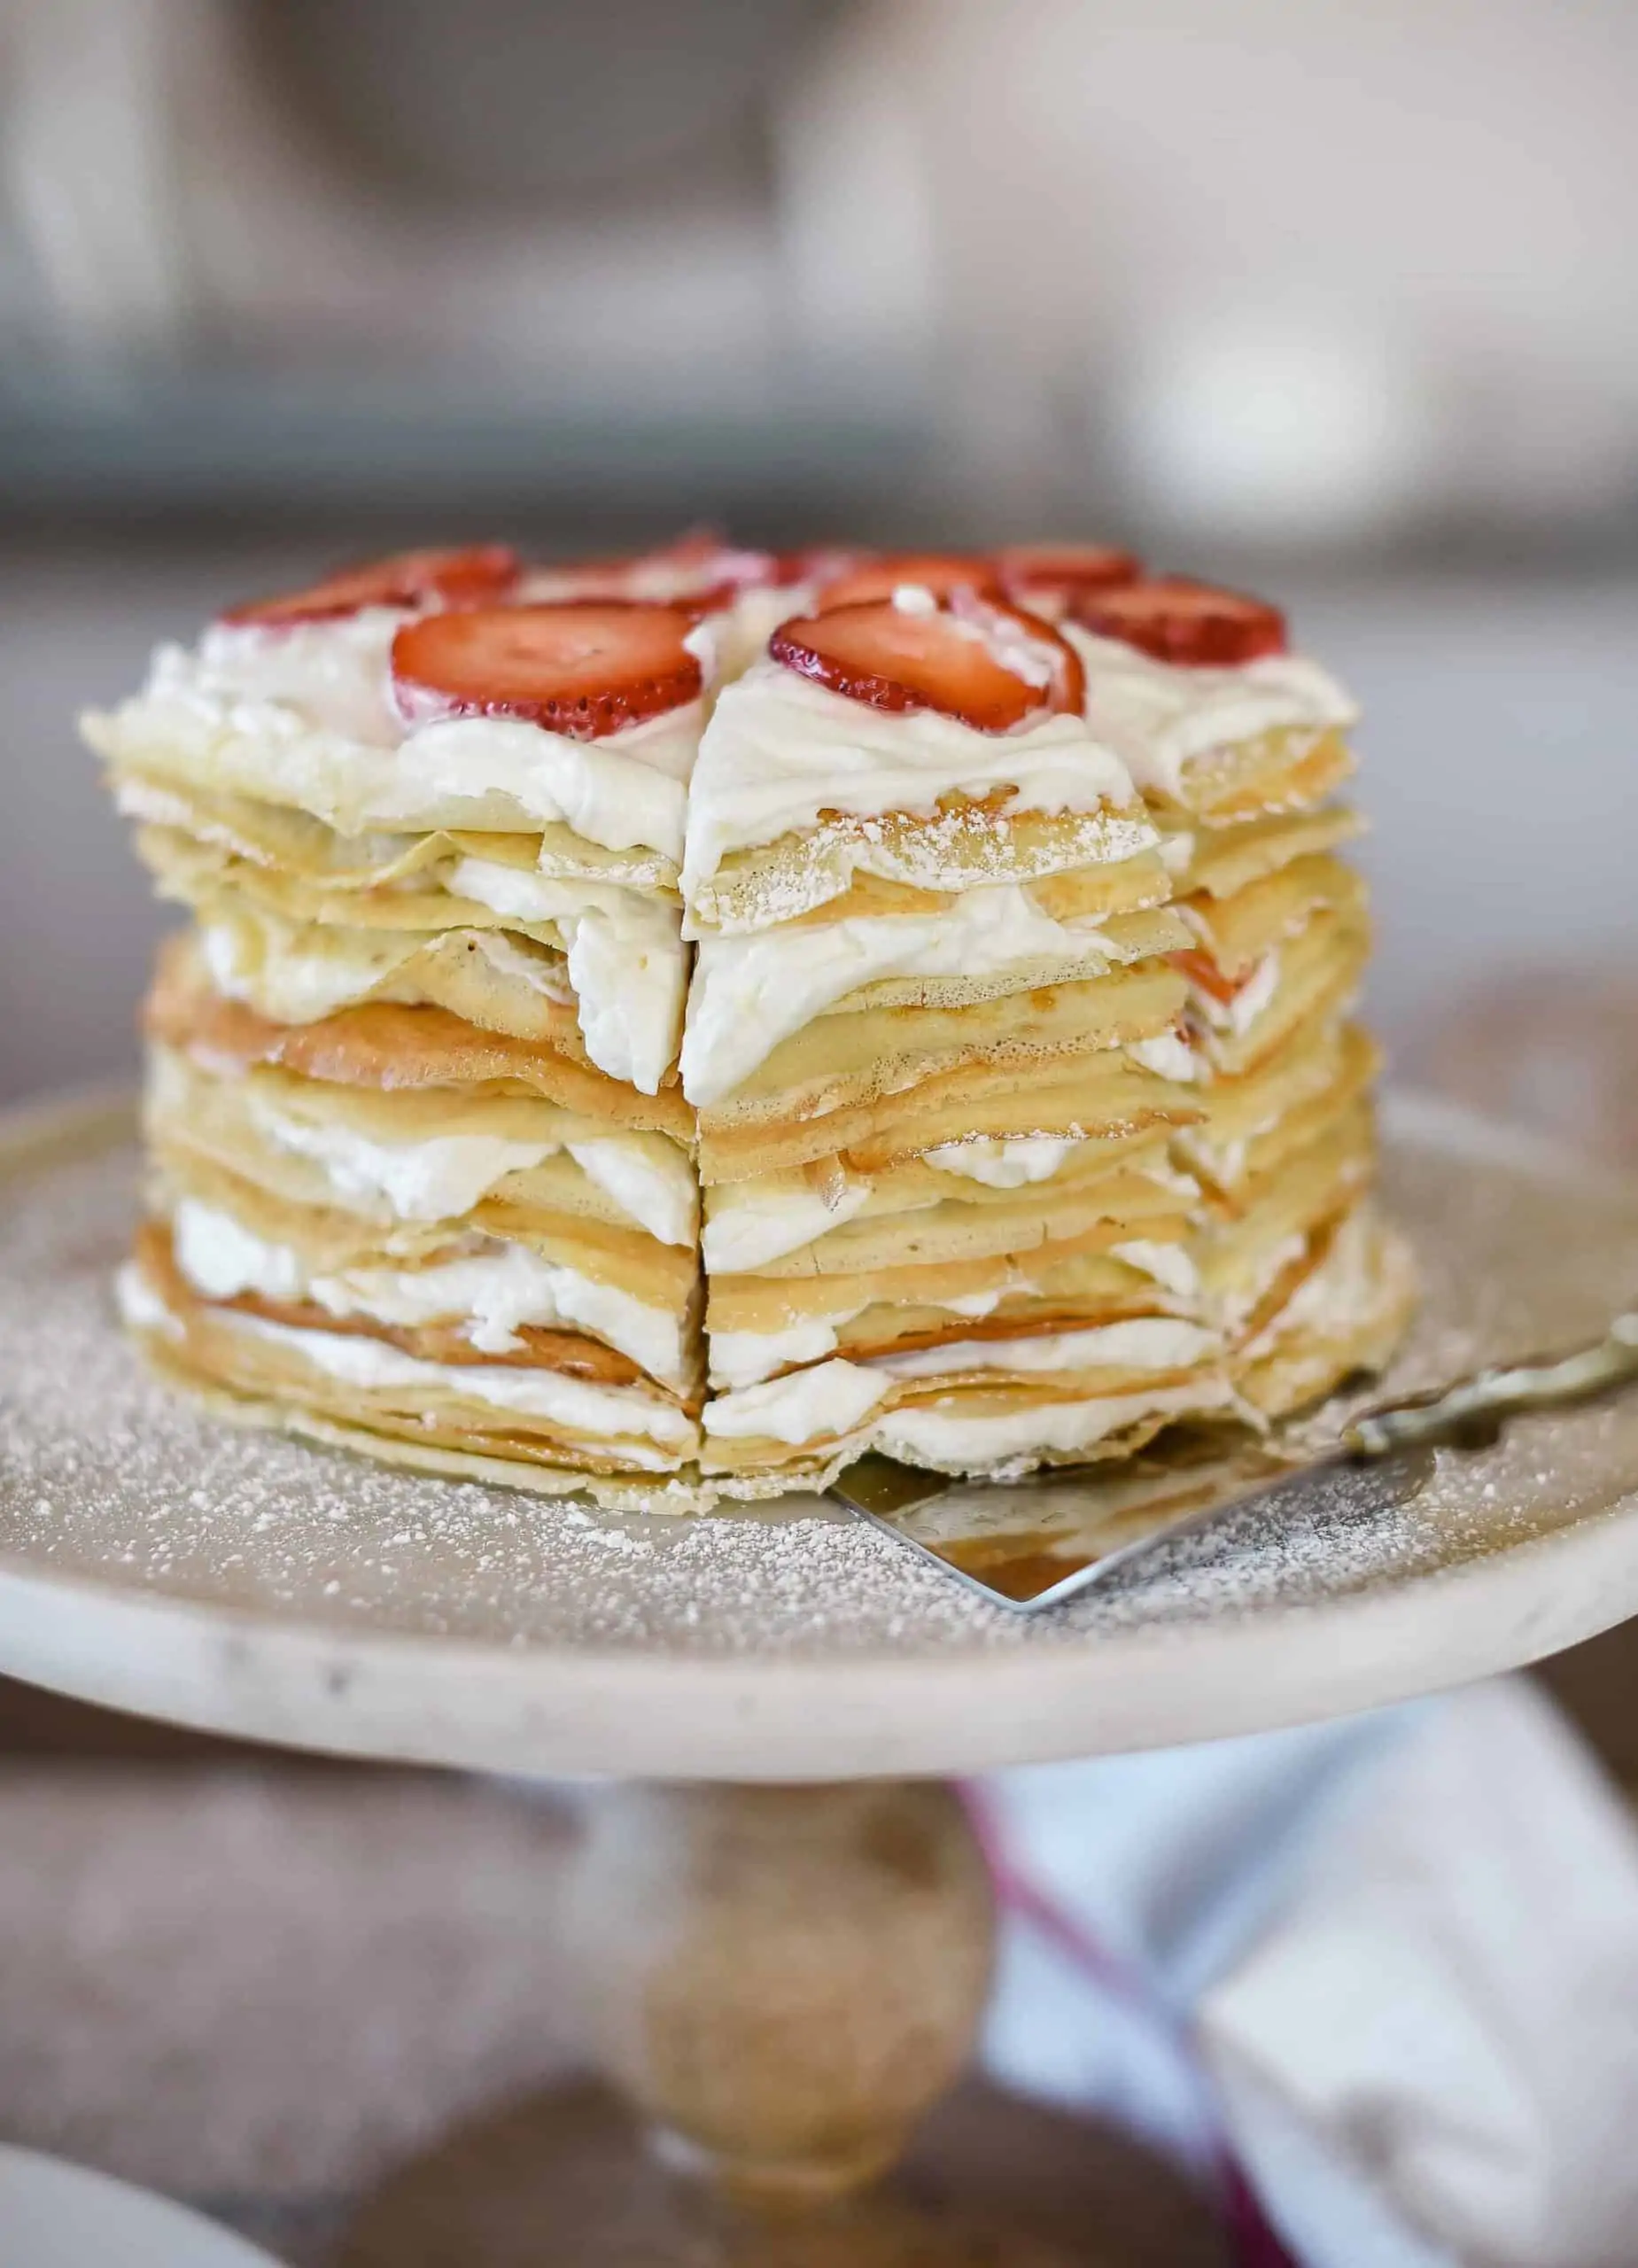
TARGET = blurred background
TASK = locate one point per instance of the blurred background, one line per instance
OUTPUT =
(1335, 300)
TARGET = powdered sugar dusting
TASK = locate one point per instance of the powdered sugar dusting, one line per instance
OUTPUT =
(105, 1473)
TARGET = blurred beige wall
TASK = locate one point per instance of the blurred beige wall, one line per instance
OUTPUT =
(1241, 268)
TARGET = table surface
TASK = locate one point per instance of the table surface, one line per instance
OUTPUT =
(154, 1558)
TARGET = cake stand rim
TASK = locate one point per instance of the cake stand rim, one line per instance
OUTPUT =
(254, 1671)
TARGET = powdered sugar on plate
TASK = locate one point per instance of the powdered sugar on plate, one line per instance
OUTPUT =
(107, 1476)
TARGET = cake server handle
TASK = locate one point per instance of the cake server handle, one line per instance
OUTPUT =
(1471, 1413)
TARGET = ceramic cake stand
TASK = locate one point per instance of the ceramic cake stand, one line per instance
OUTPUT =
(782, 1918)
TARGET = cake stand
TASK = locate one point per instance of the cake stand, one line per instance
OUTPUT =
(781, 1917)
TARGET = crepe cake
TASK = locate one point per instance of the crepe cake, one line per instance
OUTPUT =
(422, 1159)
(1016, 1080)
(934, 1042)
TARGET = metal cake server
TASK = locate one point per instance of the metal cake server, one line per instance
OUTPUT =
(1028, 1544)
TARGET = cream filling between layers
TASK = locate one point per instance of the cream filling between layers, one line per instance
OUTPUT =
(1135, 1343)
(625, 979)
(445, 1176)
(1004, 1164)
(779, 750)
(1166, 1055)
(751, 992)
(602, 1412)
(626, 961)
(1238, 1013)
(1160, 717)
(1345, 1288)
(818, 1404)
(835, 1399)
(295, 973)
(944, 1437)
(1234, 1305)
(490, 1291)
(747, 1226)
(1167, 1264)
(744, 1358)
(306, 712)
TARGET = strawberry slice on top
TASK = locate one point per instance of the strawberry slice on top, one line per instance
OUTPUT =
(471, 575)
(818, 563)
(584, 669)
(1048, 576)
(1193, 625)
(976, 659)
(699, 571)
(942, 572)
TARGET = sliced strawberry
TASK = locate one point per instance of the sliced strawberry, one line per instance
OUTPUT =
(1192, 624)
(1204, 973)
(1051, 575)
(467, 576)
(583, 669)
(819, 564)
(699, 571)
(974, 658)
(942, 572)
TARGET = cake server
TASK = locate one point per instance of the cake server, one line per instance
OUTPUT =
(1031, 1543)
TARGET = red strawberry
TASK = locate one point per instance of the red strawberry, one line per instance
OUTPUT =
(407, 579)
(1049, 576)
(584, 669)
(699, 571)
(820, 564)
(965, 659)
(1179, 621)
(942, 572)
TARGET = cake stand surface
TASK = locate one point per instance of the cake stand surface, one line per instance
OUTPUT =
(782, 1931)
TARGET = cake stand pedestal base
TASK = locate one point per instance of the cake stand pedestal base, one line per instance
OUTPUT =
(778, 1982)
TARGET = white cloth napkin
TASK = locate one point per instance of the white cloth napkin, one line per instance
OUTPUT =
(1382, 1974)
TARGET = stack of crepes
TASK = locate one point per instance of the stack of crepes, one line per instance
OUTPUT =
(1016, 1079)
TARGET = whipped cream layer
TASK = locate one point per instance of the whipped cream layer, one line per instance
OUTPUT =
(598, 1412)
(836, 1399)
(1236, 1304)
(943, 1439)
(813, 1405)
(1169, 1265)
(999, 1163)
(1135, 1343)
(442, 1177)
(490, 1292)
(779, 750)
(1240, 1010)
(628, 963)
(304, 715)
(742, 1358)
(749, 1224)
(625, 977)
(1160, 717)
(749, 993)
(1346, 1284)
(622, 1414)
